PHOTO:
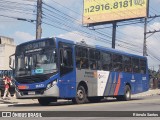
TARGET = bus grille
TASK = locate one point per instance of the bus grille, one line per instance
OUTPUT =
(37, 92)
(33, 79)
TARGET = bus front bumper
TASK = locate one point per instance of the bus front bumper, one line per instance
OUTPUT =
(30, 94)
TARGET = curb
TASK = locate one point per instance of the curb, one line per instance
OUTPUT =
(6, 105)
(148, 93)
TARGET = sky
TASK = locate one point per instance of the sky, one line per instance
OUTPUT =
(63, 18)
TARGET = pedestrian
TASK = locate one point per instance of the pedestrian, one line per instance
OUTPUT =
(7, 83)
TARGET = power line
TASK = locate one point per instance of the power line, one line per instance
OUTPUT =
(17, 3)
(17, 18)
(70, 17)
(101, 36)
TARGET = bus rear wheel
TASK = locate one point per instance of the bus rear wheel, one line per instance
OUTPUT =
(46, 101)
(127, 94)
(81, 96)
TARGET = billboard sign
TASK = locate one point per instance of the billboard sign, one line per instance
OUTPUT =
(98, 11)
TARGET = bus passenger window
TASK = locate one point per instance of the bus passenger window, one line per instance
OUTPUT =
(117, 67)
(84, 63)
(106, 61)
(127, 64)
(127, 68)
(78, 63)
(135, 63)
(143, 66)
(94, 59)
(81, 57)
(93, 65)
(117, 63)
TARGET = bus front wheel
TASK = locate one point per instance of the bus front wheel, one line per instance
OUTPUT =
(81, 96)
(46, 101)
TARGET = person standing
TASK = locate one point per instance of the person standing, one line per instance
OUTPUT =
(7, 83)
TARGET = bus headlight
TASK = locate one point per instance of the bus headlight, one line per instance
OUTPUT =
(51, 84)
(54, 82)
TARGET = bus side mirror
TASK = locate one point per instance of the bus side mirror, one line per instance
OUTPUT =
(12, 61)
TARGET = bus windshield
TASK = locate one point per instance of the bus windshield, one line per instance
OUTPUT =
(36, 58)
(39, 63)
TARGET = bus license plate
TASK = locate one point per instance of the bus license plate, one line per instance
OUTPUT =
(31, 92)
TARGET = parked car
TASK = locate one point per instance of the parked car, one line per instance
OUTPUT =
(11, 90)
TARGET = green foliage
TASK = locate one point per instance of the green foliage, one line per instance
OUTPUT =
(154, 74)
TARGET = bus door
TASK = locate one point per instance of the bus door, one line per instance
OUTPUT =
(67, 72)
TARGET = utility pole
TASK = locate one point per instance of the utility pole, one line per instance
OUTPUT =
(145, 37)
(39, 19)
(114, 35)
(150, 32)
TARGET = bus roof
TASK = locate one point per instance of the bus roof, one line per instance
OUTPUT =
(118, 51)
(32, 41)
(99, 47)
(86, 45)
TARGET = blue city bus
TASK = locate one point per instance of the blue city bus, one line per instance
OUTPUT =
(54, 68)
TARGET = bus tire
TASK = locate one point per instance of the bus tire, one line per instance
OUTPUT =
(127, 93)
(81, 96)
(46, 101)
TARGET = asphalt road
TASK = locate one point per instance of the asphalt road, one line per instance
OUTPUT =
(150, 103)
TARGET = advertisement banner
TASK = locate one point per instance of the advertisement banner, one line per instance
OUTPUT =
(99, 11)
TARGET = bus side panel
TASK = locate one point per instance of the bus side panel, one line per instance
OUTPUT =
(99, 83)
(105, 84)
(111, 84)
(102, 77)
(90, 78)
(116, 83)
(141, 83)
(137, 82)
(126, 78)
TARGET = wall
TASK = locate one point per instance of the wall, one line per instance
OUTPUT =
(7, 48)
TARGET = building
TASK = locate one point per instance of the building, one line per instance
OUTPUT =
(7, 48)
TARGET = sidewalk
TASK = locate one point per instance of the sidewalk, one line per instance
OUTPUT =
(14, 101)
(150, 92)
